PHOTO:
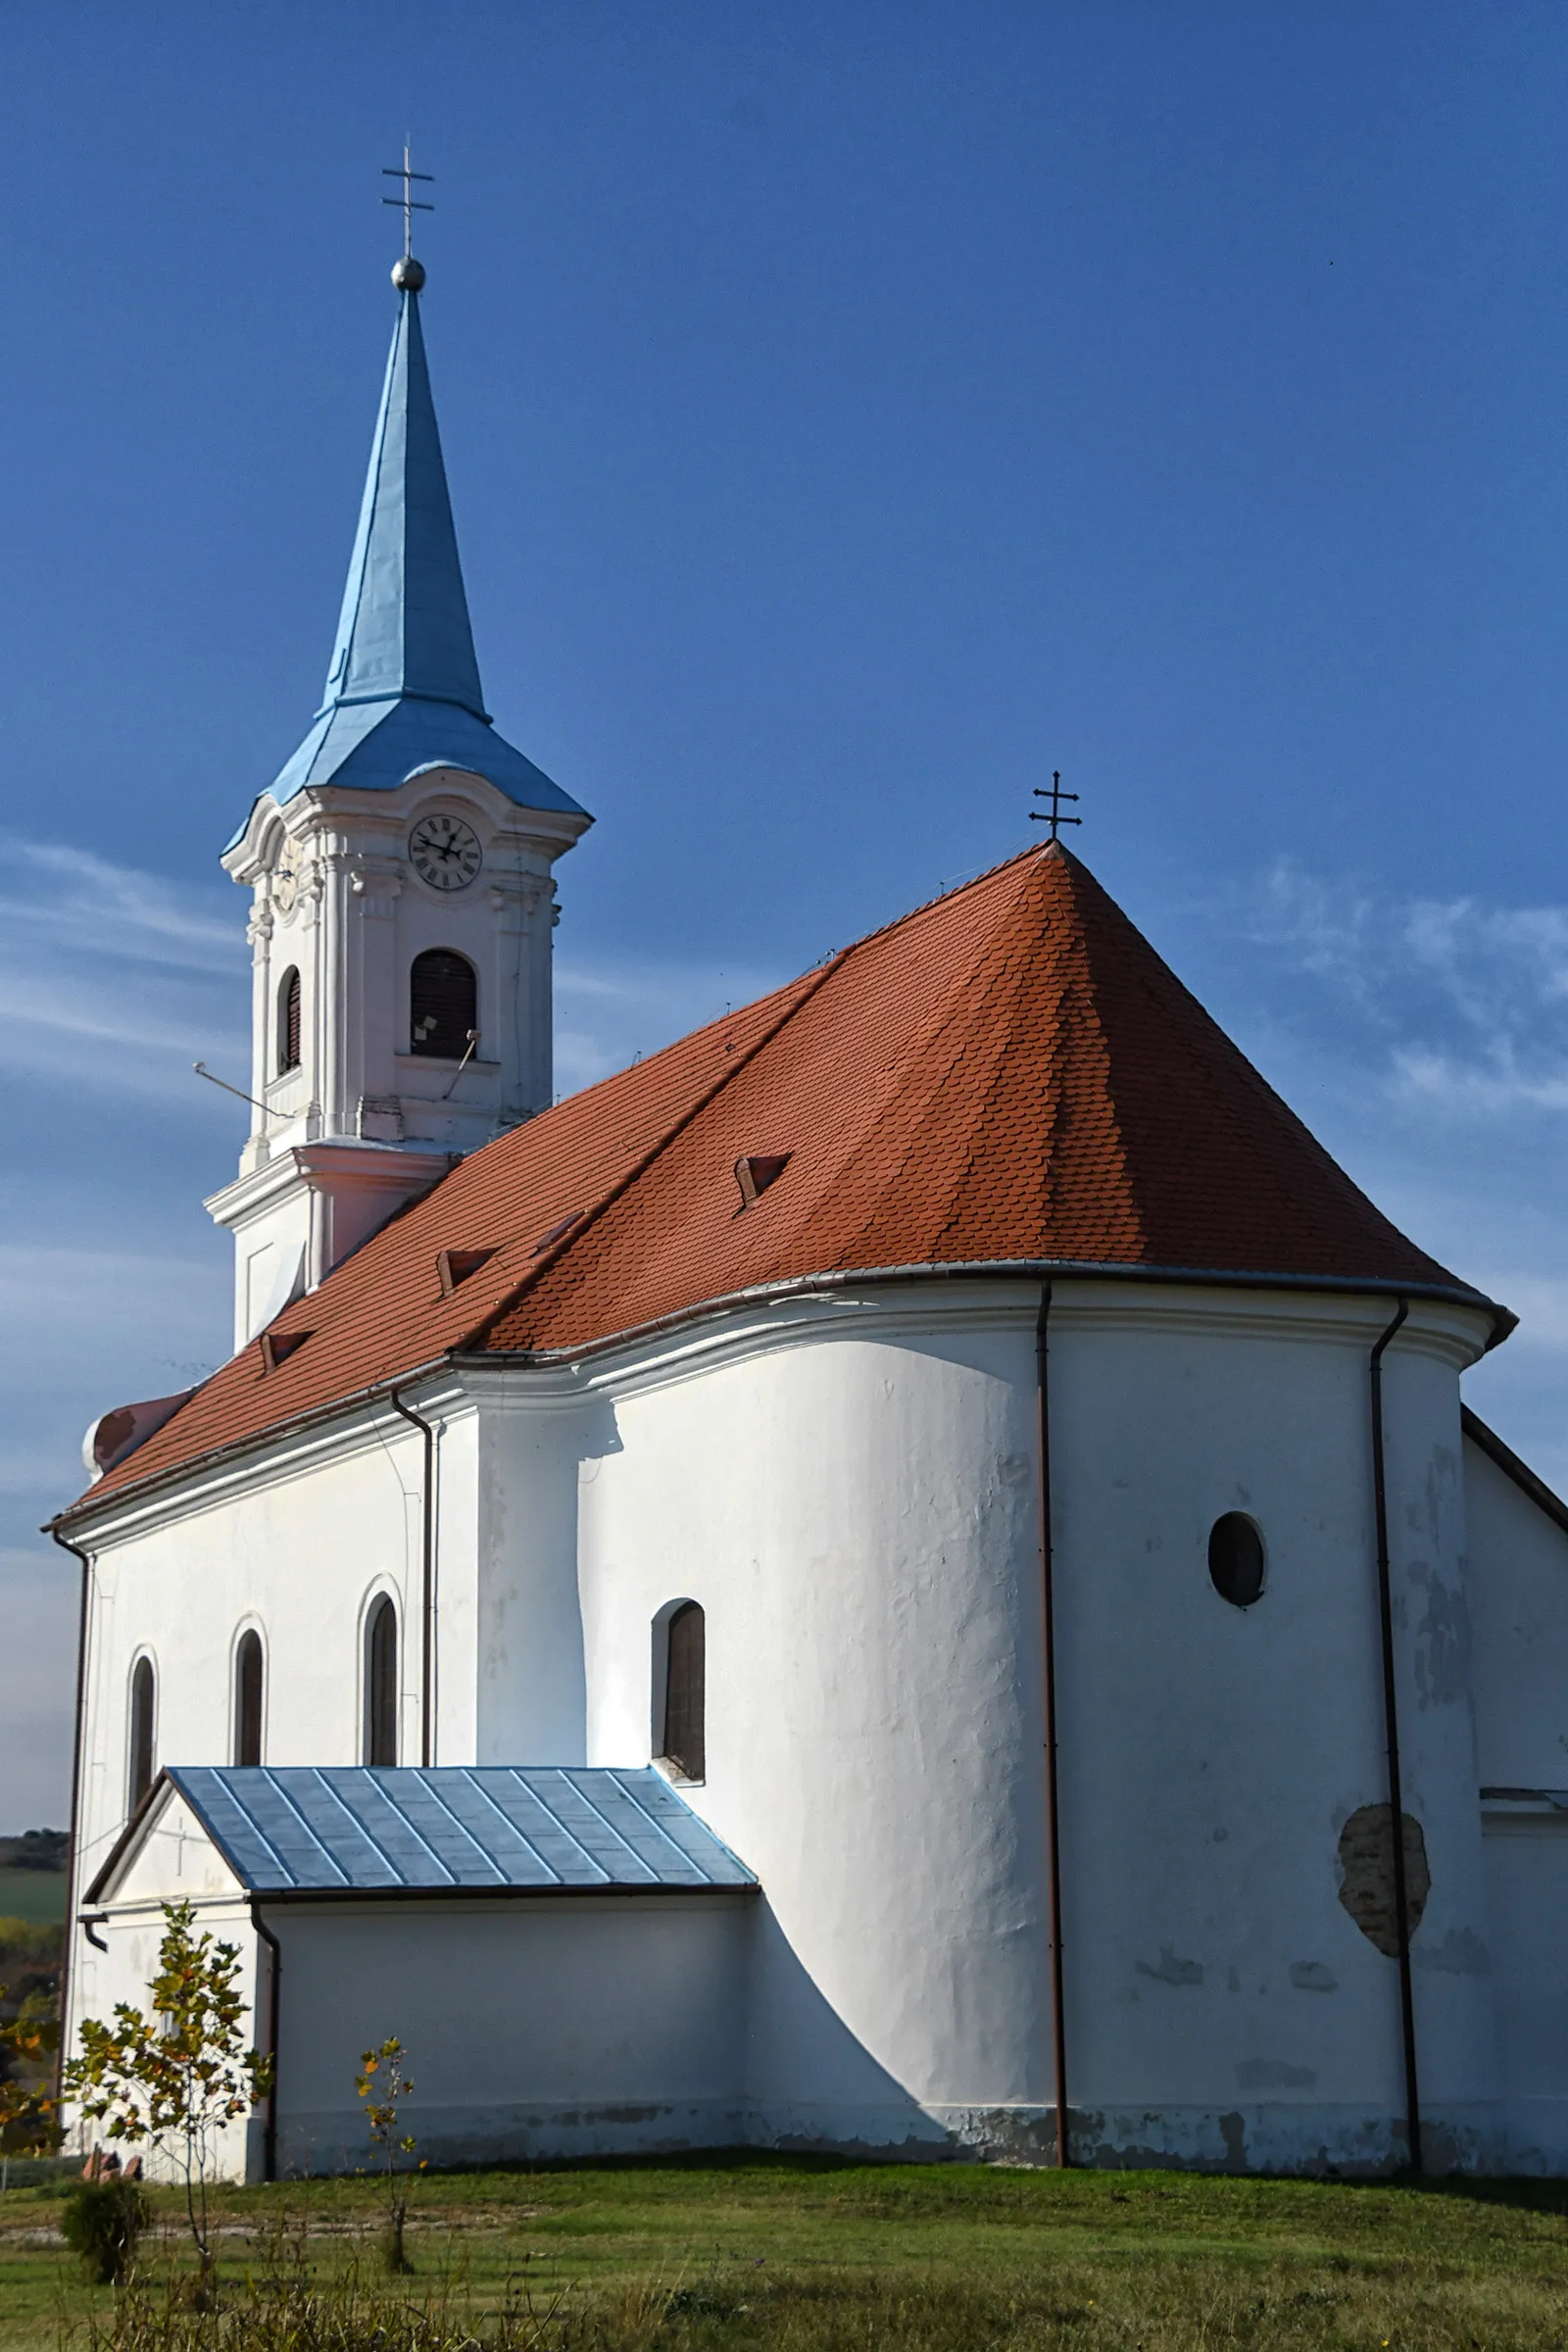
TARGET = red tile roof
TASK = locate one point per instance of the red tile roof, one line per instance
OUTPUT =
(1009, 1074)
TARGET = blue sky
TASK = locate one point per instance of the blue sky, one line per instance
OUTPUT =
(853, 411)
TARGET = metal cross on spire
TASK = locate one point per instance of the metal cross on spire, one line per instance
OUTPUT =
(408, 202)
(1052, 815)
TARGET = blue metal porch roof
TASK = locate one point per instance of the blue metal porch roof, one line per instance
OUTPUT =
(361, 1829)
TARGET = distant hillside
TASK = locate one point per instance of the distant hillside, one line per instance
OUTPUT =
(35, 1849)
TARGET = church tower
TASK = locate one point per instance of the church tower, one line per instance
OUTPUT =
(403, 894)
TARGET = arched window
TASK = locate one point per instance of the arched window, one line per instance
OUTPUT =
(443, 1003)
(143, 1706)
(684, 1743)
(381, 1684)
(248, 1698)
(288, 1021)
(1236, 1559)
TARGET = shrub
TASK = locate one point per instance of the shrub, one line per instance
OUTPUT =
(101, 2222)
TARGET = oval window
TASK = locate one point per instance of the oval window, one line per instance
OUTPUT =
(1236, 1559)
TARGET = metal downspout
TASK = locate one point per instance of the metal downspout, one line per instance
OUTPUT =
(1391, 1727)
(428, 1631)
(1048, 1611)
(72, 1870)
(275, 1994)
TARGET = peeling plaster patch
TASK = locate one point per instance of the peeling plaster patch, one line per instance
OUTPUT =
(1442, 1644)
(1366, 1875)
(1461, 1954)
(1310, 1975)
(1272, 2073)
(1168, 1970)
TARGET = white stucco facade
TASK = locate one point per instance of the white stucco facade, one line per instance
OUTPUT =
(848, 1482)
(365, 1119)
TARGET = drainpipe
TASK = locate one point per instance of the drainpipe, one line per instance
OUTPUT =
(427, 1634)
(1390, 1727)
(275, 1994)
(72, 1870)
(1048, 1611)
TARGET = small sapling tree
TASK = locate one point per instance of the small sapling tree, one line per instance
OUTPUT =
(174, 2077)
(383, 2085)
(29, 2112)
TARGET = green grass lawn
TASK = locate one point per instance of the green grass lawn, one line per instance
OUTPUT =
(816, 2255)
(37, 1895)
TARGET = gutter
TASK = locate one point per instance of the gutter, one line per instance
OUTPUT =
(428, 1583)
(275, 2000)
(80, 1514)
(466, 1357)
(639, 1889)
(1047, 1612)
(1391, 1730)
(1004, 1269)
(84, 1558)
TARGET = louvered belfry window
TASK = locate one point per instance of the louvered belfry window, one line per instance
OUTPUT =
(381, 1685)
(248, 1699)
(685, 1674)
(143, 1700)
(443, 1003)
(288, 1022)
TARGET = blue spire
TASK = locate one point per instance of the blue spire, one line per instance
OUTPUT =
(403, 692)
(404, 627)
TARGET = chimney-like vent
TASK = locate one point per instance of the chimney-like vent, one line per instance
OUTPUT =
(754, 1173)
(455, 1265)
(277, 1346)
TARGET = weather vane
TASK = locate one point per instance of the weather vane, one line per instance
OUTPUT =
(407, 274)
(1052, 815)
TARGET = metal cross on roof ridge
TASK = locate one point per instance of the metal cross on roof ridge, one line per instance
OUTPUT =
(1052, 815)
(408, 202)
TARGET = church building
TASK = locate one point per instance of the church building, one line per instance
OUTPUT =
(908, 1575)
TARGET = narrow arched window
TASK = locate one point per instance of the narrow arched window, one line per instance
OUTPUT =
(248, 1698)
(288, 1021)
(381, 1684)
(443, 1003)
(685, 1669)
(143, 1706)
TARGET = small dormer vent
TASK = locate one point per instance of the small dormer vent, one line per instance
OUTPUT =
(556, 1233)
(755, 1172)
(455, 1265)
(277, 1347)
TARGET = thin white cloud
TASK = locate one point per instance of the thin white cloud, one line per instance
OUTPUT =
(120, 910)
(1460, 1009)
(610, 1012)
(115, 980)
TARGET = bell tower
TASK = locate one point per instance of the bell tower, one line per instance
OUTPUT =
(403, 898)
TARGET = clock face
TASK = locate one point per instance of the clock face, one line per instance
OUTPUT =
(286, 878)
(445, 851)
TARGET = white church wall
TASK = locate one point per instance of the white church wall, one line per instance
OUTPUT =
(1450, 1956)
(572, 2025)
(1526, 1851)
(530, 1698)
(296, 1552)
(1517, 1577)
(176, 1862)
(852, 1500)
(1222, 2006)
(851, 1497)
(1518, 1586)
